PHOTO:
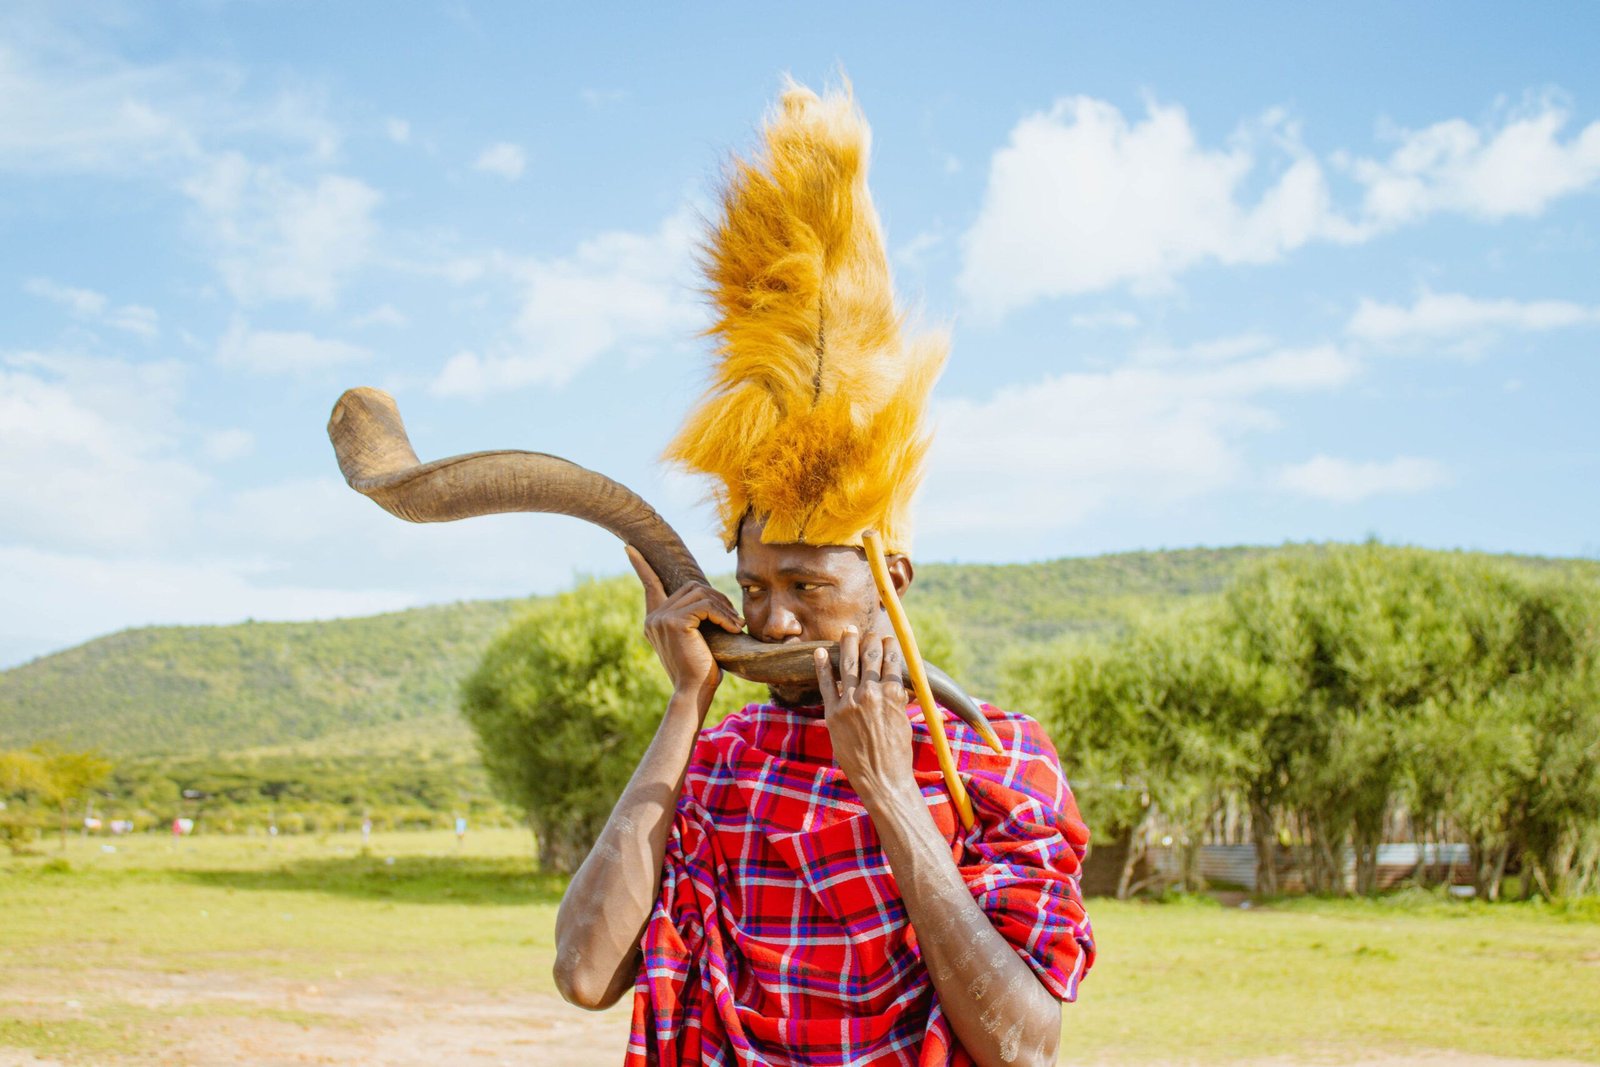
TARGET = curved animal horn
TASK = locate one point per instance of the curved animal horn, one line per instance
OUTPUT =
(377, 460)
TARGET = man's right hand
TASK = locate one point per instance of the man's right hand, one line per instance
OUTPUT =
(672, 623)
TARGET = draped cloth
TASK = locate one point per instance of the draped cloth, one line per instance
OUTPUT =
(779, 936)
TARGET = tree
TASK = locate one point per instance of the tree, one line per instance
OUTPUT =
(564, 703)
(1439, 681)
(59, 778)
(72, 776)
(22, 774)
(1342, 691)
(1145, 720)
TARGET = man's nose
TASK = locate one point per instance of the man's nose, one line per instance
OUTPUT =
(782, 624)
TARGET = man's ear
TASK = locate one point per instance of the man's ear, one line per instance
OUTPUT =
(900, 573)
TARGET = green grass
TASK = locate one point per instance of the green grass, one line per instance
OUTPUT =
(294, 906)
(1191, 981)
(70, 1037)
(1340, 979)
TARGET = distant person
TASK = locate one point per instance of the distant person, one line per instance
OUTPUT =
(461, 828)
(366, 831)
(793, 885)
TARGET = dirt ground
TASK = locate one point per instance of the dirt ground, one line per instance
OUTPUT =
(225, 1019)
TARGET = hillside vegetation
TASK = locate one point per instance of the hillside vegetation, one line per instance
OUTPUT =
(350, 684)
(389, 683)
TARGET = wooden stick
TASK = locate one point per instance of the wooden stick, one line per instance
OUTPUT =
(919, 678)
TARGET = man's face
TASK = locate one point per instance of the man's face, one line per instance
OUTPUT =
(794, 592)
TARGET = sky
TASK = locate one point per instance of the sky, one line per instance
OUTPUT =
(1215, 275)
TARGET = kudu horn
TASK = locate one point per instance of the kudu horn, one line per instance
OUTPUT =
(377, 460)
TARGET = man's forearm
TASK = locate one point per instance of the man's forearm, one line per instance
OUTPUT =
(997, 1007)
(608, 901)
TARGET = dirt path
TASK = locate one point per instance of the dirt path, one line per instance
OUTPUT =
(223, 1019)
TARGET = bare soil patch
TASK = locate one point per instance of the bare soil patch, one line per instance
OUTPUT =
(222, 1019)
(228, 1019)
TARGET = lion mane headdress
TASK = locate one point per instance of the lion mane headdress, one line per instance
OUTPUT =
(813, 418)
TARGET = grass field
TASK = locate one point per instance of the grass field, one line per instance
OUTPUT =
(245, 950)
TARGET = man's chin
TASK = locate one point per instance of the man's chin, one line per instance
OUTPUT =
(795, 696)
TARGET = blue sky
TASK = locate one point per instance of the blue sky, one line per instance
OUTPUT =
(1214, 277)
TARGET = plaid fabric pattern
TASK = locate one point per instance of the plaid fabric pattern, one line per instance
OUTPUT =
(779, 936)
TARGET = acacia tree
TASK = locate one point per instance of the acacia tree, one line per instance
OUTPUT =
(1367, 640)
(1333, 688)
(1144, 721)
(1078, 693)
(1548, 803)
(22, 774)
(70, 777)
(563, 703)
(59, 778)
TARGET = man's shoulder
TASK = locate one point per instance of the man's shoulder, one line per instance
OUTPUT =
(745, 725)
(741, 718)
(1017, 725)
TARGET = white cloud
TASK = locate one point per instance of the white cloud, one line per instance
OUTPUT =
(88, 304)
(72, 597)
(284, 351)
(88, 454)
(1463, 320)
(1051, 453)
(68, 108)
(502, 158)
(1346, 481)
(382, 315)
(278, 239)
(398, 130)
(221, 446)
(353, 544)
(1517, 169)
(1213, 352)
(914, 253)
(97, 115)
(616, 292)
(599, 99)
(135, 318)
(1105, 320)
(1081, 199)
(85, 303)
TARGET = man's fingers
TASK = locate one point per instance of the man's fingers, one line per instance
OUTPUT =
(696, 600)
(733, 612)
(849, 659)
(654, 593)
(827, 684)
(894, 664)
(707, 605)
(872, 661)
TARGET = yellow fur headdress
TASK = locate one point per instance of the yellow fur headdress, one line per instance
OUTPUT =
(813, 417)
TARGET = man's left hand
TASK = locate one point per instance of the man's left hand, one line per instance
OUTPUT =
(865, 709)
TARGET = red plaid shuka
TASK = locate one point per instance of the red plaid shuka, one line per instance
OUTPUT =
(779, 936)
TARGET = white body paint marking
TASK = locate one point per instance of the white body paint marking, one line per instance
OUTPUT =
(1011, 1043)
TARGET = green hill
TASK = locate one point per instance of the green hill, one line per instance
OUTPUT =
(343, 685)
(387, 683)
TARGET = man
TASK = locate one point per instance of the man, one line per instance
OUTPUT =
(793, 884)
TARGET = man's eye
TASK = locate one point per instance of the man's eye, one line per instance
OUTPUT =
(750, 590)
(808, 587)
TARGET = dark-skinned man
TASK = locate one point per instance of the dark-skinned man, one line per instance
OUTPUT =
(793, 885)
